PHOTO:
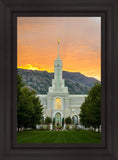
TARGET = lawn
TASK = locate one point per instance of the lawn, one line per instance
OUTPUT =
(58, 137)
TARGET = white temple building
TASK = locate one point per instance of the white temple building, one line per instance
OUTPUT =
(58, 103)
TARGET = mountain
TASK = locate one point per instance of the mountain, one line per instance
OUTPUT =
(40, 81)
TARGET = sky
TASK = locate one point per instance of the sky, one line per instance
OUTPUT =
(79, 47)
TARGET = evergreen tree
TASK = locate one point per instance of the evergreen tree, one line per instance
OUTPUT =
(90, 114)
(29, 108)
(37, 114)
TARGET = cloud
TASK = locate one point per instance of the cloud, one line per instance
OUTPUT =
(80, 42)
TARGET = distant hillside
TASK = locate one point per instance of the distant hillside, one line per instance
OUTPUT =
(40, 81)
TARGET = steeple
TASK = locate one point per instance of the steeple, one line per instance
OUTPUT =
(58, 49)
(58, 84)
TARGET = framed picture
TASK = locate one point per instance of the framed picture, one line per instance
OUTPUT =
(15, 14)
(57, 78)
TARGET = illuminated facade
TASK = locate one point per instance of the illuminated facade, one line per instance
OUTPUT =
(58, 103)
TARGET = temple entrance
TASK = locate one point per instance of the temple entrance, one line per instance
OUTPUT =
(75, 120)
(58, 119)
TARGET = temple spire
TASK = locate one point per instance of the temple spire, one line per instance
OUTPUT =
(58, 49)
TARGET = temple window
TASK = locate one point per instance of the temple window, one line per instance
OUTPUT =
(58, 103)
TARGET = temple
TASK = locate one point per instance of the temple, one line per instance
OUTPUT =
(58, 103)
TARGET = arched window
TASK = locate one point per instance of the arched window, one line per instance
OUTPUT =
(57, 119)
(58, 103)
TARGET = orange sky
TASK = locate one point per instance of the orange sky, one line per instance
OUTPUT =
(80, 43)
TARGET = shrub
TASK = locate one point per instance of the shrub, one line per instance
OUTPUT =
(42, 128)
(68, 120)
(48, 120)
(68, 128)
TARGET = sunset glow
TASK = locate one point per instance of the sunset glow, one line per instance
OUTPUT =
(79, 46)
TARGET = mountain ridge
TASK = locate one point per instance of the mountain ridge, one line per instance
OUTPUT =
(40, 81)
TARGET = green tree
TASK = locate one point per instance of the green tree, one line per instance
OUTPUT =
(48, 120)
(25, 110)
(37, 111)
(68, 120)
(29, 108)
(90, 114)
(63, 121)
(53, 121)
(20, 84)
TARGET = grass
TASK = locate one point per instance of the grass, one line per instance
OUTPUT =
(58, 137)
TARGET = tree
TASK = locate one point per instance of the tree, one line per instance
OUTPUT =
(48, 120)
(63, 121)
(68, 120)
(90, 114)
(20, 84)
(37, 111)
(42, 121)
(25, 110)
(29, 108)
(53, 121)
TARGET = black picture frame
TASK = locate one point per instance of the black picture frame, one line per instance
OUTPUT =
(9, 10)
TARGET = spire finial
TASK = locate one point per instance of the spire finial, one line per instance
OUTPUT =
(58, 48)
(58, 41)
